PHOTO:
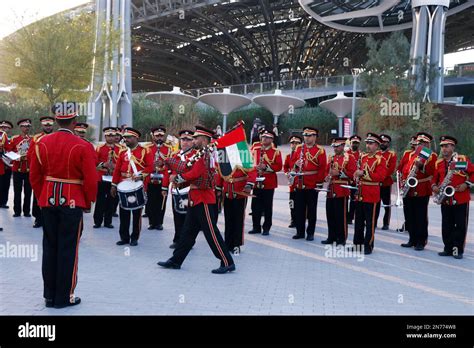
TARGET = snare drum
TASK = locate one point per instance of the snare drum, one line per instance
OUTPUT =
(131, 194)
(180, 201)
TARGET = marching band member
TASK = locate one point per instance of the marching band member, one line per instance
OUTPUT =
(354, 151)
(268, 163)
(309, 162)
(368, 175)
(64, 181)
(341, 167)
(20, 144)
(158, 180)
(143, 161)
(5, 179)
(418, 197)
(47, 124)
(118, 142)
(294, 141)
(179, 207)
(81, 130)
(386, 188)
(400, 168)
(454, 208)
(107, 155)
(199, 174)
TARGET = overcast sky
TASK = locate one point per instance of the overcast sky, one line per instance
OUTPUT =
(16, 13)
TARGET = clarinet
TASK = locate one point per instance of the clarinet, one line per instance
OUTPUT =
(260, 172)
(357, 180)
(110, 161)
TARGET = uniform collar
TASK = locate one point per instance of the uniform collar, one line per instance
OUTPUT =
(65, 130)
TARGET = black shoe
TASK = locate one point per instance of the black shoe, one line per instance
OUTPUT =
(16, 215)
(254, 232)
(109, 226)
(297, 236)
(169, 264)
(265, 233)
(4, 206)
(367, 251)
(385, 227)
(224, 269)
(173, 245)
(37, 225)
(310, 238)
(133, 243)
(341, 244)
(327, 241)
(159, 227)
(1, 229)
(458, 256)
(48, 303)
(27, 215)
(121, 242)
(444, 253)
(76, 301)
(144, 215)
(400, 230)
(115, 215)
(292, 225)
(96, 226)
(419, 247)
(151, 227)
(407, 245)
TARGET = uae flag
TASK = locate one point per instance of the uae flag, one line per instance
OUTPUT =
(233, 151)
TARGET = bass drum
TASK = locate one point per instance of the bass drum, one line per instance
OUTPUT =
(180, 200)
(132, 195)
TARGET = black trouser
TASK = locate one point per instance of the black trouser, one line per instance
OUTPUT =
(262, 205)
(352, 206)
(292, 207)
(365, 220)
(178, 224)
(336, 211)
(405, 213)
(306, 206)
(200, 218)
(104, 205)
(36, 211)
(124, 230)
(156, 205)
(385, 193)
(61, 233)
(5, 180)
(234, 215)
(21, 182)
(417, 219)
(455, 219)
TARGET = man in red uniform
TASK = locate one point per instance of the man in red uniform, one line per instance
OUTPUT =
(454, 209)
(180, 191)
(47, 123)
(199, 173)
(340, 169)
(159, 180)
(354, 151)
(20, 144)
(368, 177)
(64, 181)
(3, 144)
(107, 155)
(386, 188)
(401, 167)
(5, 179)
(418, 197)
(309, 162)
(81, 130)
(294, 141)
(268, 162)
(143, 161)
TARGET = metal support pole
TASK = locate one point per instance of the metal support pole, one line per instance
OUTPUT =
(354, 89)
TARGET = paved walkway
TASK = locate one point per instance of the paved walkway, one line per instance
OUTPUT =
(275, 274)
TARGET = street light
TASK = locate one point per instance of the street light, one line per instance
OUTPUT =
(355, 75)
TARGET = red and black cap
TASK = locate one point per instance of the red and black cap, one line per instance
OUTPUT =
(373, 138)
(338, 141)
(81, 127)
(202, 131)
(268, 134)
(109, 131)
(25, 122)
(309, 131)
(355, 139)
(65, 111)
(47, 120)
(131, 132)
(186, 134)
(160, 130)
(295, 139)
(414, 140)
(6, 123)
(447, 140)
(386, 138)
(424, 137)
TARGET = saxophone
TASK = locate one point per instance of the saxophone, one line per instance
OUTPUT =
(410, 182)
(446, 190)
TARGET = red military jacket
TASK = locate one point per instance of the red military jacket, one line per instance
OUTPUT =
(346, 164)
(123, 170)
(391, 162)
(423, 175)
(314, 163)
(236, 183)
(404, 161)
(179, 156)
(375, 168)
(63, 171)
(106, 153)
(356, 154)
(271, 157)
(165, 151)
(458, 178)
(287, 169)
(4, 144)
(18, 143)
